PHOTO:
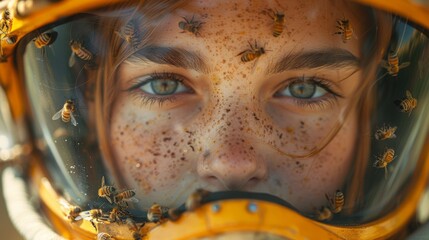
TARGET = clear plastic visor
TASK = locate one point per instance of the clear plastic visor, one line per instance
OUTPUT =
(319, 103)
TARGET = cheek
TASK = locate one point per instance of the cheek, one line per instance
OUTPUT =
(151, 153)
(324, 173)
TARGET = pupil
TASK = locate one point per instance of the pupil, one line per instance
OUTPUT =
(164, 87)
(302, 89)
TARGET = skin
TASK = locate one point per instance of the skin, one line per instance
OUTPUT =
(234, 125)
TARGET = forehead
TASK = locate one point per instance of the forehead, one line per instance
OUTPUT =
(231, 23)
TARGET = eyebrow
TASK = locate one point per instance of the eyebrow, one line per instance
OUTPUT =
(177, 57)
(331, 58)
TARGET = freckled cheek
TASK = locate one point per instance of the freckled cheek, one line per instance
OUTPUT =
(153, 157)
(308, 180)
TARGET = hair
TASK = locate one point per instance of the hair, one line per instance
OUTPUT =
(148, 15)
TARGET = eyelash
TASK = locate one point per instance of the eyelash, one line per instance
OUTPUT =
(147, 99)
(319, 103)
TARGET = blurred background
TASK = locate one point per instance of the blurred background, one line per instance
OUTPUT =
(7, 230)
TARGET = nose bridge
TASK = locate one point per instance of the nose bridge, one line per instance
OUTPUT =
(231, 159)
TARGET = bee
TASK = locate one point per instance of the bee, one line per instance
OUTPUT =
(73, 213)
(5, 27)
(5, 23)
(104, 236)
(106, 191)
(191, 26)
(130, 34)
(117, 213)
(137, 235)
(45, 39)
(392, 64)
(385, 159)
(194, 200)
(91, 215)
(132, 226)
(344, 28)
(279, 21)
(66, 113)
(337, 203)
(154, 214)
(407, 104)
(127, 195)
(324, 214)
(173, 214)
(385, 133)
(251, 54)
(79, 51)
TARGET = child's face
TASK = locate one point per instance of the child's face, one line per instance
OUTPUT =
(201, 117)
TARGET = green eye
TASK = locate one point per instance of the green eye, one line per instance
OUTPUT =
(303, 90)
(162, 86)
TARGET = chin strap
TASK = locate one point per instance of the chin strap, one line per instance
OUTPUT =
(24, 216)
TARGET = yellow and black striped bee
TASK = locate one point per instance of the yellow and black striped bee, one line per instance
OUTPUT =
(336, 203)
(117, 214)
(191, 26)
(324, 214)
(279, 21)
(91, 215)
(251, 54)
(385, 159)
(73, 213)
(194, 200)
(66, 113)
(345, 29)
(407, 104)
(70, 211)
(130, 34)
(106, 191)
(104, 236)
(392, 64)
(45, 39)
(127, 195)
(137, 235)
(154, 214)
(79, 51)
(5, 23)
(385, 133)
(5, 27)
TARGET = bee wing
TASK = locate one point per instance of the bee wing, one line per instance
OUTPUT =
(73, 120)
(72, 59)
(405, 64)
(57, 115)
(109, 199)
(408, 94)
(133, 199)
(243, 52)
(102, 181)
(84, 215)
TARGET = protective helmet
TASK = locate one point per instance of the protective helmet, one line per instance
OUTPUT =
(214, 119)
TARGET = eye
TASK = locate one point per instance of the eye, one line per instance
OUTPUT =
(309, 93)
(303, 89)
(161, 84)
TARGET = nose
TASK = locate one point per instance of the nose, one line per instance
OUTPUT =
(232, 165)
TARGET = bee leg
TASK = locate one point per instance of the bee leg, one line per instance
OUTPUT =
(93, 224)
